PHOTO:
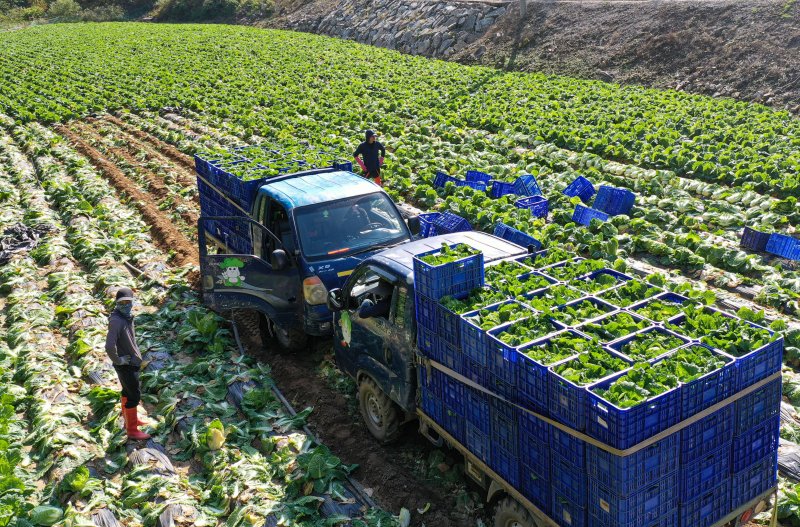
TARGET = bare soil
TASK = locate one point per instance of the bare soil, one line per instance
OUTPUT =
(742, 50)
(164, 233)
(387, 471)
(746, 50)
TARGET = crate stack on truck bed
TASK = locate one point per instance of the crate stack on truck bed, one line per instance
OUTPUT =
(604, 400)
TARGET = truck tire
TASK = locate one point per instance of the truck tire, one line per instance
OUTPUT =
(509, 513)
(290, 339)
(380, 414)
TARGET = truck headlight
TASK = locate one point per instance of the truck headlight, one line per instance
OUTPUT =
(314, 291)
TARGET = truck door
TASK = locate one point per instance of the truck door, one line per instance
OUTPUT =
(377, 334)
(247, 275)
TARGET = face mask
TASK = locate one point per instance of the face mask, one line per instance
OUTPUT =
(125, 309)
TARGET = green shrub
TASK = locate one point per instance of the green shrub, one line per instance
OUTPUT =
(64, 11)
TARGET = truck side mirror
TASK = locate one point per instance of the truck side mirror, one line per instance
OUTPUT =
(335, 300)
(279, 260)
(413, 224)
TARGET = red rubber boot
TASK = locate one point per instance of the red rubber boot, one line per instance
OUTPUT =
(132, 425)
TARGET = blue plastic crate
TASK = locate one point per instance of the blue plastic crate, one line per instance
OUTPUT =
(756, 444)
(648, 503)
(584, 215)
(476, 409)
(536, 486)
(569, 403)
(431, 381)
(709, 389)
(619, 344)
(426, 310)
(454, 423)
(756, 365)
(527, 185)
(614, 201)
(569, 480)
(754, 481)
(538, 205)
(705, 473)
(431, 405)
(757, 407)
(664, 298)
(474, 175)
(477, 185)
(706, 435)
(566, 512)
(580, 187)
(505, 426)
(506, 464)
(440, 179)
(759, 364)
(533, 379)
(448, 223)
(478, 442)
(447, 323)
(516, 236)
(500, 189)
(474, 340)
(783, 246)
(426, 226)
(503, 358)
(626, 475)
(754, 240)
(624, 427)
(599, 304)
(454, 278)
(567, 446)
(668, 520)
(620, 278)
(709, 508)
(534, 442)
(428, 343)
(453, 394)
(502, 388)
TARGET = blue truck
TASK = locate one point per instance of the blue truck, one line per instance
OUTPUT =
(376, 343)
(274, 246)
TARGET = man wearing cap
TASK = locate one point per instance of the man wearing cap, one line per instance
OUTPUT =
(124, 353)
(372, 162)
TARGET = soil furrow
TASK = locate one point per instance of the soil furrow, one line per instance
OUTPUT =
(155, 183)
(157, 147)
(164, 232)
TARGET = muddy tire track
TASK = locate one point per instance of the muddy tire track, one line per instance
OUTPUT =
(164, 233)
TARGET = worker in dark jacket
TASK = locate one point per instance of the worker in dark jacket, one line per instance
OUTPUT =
(372, 162)
(124, 353)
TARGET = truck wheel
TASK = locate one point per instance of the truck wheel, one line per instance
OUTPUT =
(509, 513)
(378, 411)
(289, 339)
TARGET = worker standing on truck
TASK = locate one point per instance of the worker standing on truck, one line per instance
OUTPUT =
(124, 353)
(372, 162)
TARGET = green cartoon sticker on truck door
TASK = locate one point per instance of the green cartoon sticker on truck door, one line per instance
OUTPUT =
(346, 324)
(231, 272)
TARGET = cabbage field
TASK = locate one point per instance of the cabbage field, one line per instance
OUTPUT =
(98, 123)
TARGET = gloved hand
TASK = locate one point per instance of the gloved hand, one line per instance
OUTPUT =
(380, 161)
(125, 360)
(361, 164)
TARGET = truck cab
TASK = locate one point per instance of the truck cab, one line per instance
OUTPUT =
(293, 239)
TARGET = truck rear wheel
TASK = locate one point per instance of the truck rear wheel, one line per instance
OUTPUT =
(380, 414)
(509, 513)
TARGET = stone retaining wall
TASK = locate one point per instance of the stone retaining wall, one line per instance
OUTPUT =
(421, 27)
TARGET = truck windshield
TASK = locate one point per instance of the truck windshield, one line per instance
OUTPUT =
(348, 226)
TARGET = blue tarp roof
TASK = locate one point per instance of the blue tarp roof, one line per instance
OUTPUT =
(316, 188)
